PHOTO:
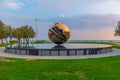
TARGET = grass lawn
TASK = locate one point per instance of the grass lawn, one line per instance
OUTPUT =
(79, 69)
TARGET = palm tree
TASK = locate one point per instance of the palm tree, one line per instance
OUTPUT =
(117, 30)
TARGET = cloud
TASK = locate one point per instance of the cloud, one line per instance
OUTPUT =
(16, 20)
(100, 34)
(72, 7)
(54, 8)
(11, 4)
(97, 1)
(89, 26)
(87, 21)
(82, 27)
(95, 17)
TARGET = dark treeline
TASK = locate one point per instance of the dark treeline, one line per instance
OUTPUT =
(23, 32)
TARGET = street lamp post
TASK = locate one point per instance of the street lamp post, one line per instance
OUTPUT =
(37, 28)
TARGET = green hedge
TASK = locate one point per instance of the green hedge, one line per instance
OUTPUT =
(4, 44)
(13, 41)
(39, 41)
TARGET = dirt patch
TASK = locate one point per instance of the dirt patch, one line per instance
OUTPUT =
(30, 59)
(84, 76)
(3, 59)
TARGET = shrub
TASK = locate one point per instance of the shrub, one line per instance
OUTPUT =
(39, 41)
(4, 44)
(13, 41)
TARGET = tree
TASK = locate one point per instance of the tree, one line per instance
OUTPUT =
(2, 31)
(28, 32)
(117, 30)
(25, 32)
(18, 34)
(10, 31)
(5, 34)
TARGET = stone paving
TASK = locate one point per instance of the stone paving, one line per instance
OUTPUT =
(114, 53)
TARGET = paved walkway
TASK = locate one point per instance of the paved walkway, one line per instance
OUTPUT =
(114, 53)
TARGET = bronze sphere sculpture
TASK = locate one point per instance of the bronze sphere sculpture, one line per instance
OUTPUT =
(59, 33)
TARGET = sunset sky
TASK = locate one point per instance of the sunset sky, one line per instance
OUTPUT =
(87, 19)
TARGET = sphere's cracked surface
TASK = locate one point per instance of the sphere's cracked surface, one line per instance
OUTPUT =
(59, 33)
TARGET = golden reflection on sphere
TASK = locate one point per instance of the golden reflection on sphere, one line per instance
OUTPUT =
(59, 33)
